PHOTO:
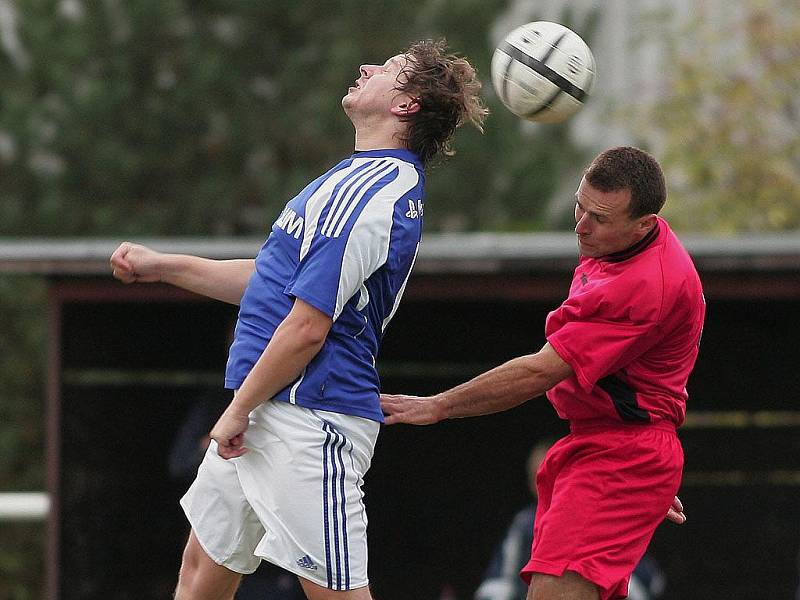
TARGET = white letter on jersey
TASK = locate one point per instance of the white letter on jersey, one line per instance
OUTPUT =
(291, 223)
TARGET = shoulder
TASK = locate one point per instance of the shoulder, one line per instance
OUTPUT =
(631, 291)
(651, 278)
(406, 175)
(385, 181)
(398, 198)
(676, 261)
(678, 273)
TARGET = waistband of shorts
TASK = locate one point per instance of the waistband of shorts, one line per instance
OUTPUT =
(594, 425)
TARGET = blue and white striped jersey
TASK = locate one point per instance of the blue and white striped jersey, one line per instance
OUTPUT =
(346, 245)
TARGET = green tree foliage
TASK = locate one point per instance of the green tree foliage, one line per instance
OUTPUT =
(167, 117)
(22, 329)
(727, 122)
(21, 561)
(22, 325)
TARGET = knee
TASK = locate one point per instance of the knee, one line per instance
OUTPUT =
(316, 592)
(189, 575)
(200, 578)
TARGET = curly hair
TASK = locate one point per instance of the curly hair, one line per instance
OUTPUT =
(447, 90)
(626, 167)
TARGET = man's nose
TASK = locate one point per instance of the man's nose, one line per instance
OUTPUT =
(582, 226)
(367, 70)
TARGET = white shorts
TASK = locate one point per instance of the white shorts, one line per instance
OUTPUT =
(293, 499)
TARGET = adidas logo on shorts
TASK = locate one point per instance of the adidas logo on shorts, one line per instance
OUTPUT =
(306, 563)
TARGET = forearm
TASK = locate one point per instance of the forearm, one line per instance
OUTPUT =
(502, 388)
(281, 363)
(223, 280)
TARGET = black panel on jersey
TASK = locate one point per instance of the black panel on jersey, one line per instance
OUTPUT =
(624, 398)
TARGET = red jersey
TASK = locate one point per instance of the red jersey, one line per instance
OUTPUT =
(630, 330)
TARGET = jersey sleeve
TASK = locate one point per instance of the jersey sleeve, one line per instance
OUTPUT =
(350, 242)
(602, 334)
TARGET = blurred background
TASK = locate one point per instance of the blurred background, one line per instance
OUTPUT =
(193, 122)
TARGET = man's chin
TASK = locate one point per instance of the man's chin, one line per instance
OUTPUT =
(584, 249)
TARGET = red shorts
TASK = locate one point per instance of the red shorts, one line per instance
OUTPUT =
(603, 490)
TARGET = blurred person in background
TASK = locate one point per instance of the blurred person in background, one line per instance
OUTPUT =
(282, 478)
(502, 579)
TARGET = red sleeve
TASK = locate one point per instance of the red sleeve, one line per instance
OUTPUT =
(599, 334)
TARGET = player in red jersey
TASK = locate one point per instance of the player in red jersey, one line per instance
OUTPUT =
(618, 355)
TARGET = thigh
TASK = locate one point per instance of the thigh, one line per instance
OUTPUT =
(303, 477)
(609, 493)
(569, 586)
(224, 523)
(201, 578)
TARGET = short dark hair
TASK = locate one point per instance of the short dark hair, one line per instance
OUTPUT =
(447, 90)
(626, 167)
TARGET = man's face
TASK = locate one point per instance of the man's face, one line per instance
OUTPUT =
(602, 222)
(375, 90)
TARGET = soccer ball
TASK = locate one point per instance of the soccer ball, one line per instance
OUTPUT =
(543, 72)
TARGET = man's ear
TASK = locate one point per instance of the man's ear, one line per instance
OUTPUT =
(405, 108)
(648, 222)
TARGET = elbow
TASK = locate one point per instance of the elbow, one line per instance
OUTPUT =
(306, 326)
(548, 380)
(312, 332)
(538, 378)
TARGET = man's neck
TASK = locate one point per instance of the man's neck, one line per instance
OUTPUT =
(373, 139)
(636, 248)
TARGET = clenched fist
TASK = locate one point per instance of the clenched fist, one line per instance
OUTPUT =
(136, 263)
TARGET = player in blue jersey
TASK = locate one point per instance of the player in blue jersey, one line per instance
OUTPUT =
(282, 478)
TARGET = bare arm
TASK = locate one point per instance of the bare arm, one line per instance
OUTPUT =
(503, 387)
(500, 389)
(223, 280)
(296, 341)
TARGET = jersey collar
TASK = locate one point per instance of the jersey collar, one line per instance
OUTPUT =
(401, 153)
(636, 248)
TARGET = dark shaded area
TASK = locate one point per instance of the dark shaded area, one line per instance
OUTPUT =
(439, 498)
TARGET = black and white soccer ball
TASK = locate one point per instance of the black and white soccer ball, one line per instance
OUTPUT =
(543, 72)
